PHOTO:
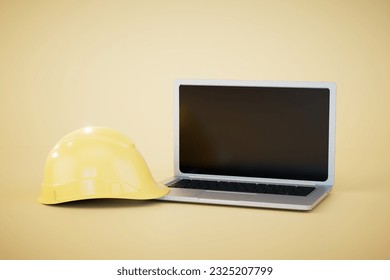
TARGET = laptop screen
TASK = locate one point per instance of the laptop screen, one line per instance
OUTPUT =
(254, 131)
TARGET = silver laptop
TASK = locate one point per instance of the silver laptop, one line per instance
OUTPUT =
(253, 143)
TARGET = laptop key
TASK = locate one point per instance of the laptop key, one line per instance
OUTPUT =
(242, 187)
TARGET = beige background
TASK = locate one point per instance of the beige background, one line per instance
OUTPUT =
(67, 64)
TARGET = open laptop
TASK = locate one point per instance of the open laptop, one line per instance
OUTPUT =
(253, 143)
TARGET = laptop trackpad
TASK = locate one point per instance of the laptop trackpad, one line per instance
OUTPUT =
(207, 195)
(184, 192)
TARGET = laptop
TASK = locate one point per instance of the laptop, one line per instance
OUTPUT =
(266, 144)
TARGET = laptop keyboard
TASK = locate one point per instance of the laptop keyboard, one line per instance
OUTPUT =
(242, 187)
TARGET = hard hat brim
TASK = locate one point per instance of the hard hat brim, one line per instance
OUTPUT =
(56, 195)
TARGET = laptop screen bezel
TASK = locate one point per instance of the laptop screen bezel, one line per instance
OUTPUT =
(283, 84)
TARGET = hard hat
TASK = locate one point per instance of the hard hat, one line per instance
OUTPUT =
(97, 162)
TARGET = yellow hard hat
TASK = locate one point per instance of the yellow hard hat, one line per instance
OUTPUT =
(97, 162)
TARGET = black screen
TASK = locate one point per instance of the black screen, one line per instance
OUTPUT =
(266, 132)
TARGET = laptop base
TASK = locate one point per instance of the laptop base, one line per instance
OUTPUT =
(246, 199)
